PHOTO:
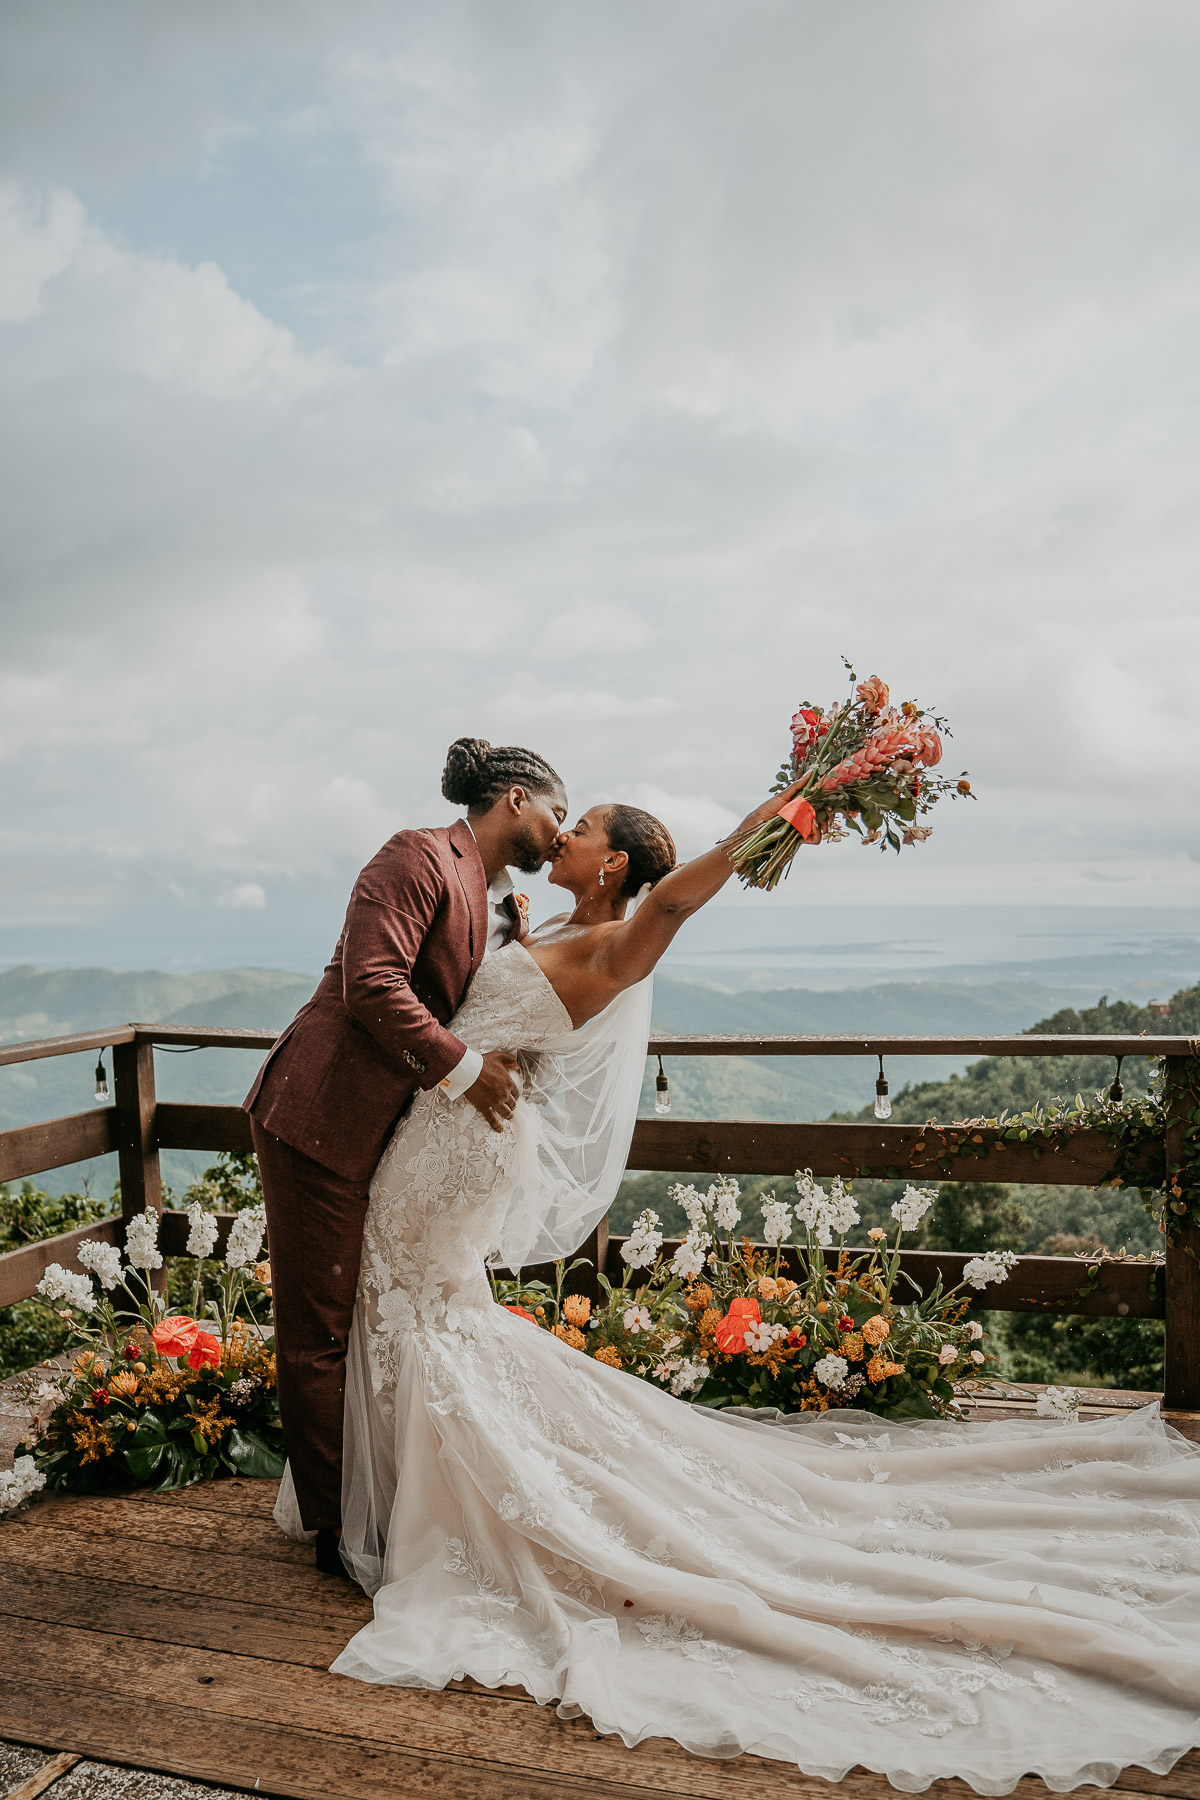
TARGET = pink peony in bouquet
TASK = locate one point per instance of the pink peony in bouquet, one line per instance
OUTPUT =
(864, 766)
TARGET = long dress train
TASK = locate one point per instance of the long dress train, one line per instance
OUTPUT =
(924, 1599)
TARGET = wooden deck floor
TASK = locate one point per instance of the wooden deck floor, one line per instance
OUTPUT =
(182, 1633)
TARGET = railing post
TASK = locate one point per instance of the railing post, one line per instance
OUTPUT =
(595, 1248)
(1181, 1381)
(137, 1140)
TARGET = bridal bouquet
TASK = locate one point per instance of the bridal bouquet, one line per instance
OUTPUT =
(864, 766)
(155, 1396)
(729, 1323)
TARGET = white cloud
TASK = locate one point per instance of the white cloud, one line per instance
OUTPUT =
(595, 385)
(246, 894)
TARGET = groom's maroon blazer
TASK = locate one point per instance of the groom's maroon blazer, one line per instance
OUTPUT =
(342, 1073)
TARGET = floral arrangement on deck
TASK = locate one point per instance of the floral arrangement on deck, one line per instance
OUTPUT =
(154, 1396)
(864, 766)
(723, 1323)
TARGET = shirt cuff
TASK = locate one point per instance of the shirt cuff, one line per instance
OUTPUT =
(464, 1074)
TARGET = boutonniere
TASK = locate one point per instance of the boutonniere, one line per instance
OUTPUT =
(522, 901)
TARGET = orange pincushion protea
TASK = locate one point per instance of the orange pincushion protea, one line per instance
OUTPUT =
(876, 1329)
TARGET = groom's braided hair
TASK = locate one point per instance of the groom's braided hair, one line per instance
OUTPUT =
(477, 772)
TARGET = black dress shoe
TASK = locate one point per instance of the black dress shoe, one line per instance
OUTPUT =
(329, 1555)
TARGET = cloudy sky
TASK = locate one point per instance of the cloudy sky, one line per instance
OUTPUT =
(589, 374)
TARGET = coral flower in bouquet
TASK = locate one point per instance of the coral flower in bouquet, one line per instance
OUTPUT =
(863, 766)
(156, 1396)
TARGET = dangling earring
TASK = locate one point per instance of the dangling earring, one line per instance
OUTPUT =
(602, 877)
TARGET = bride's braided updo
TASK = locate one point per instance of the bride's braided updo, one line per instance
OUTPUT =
(477, 772)
(646, 842)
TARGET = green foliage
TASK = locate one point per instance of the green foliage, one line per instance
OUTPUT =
(31, 1331)
(1082, 1352)
(28, 1215)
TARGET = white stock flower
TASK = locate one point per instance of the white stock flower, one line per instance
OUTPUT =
(202, 1232)
(997, 1265)
(777, 1220)
(103, 1261)
(824, 1214)
(20, 1483)
(636, 1318)
(644, 1242)
(690, 1201)
(1059, 1403)
(141, 1241)
(63, 1284)
(723, 1197)
(912, 1206)
(832, 1370)
(690, 1375)
(840, 1208)
(245, 1237)
(688, 1260)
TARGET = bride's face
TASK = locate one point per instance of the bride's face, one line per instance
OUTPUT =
(582, 850)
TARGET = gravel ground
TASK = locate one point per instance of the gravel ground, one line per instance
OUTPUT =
(101, 1781)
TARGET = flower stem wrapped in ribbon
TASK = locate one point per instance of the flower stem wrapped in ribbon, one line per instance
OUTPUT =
(864, 766)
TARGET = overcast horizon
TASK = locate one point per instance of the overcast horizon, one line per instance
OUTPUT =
(592, 377)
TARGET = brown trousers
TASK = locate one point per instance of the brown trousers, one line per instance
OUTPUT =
(314, 1233)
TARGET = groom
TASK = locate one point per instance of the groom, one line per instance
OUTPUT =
(326, 1101)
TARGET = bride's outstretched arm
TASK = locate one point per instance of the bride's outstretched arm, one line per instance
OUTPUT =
(631, 950)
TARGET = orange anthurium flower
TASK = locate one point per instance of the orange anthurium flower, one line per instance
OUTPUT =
(205, 1352)
(175, 1336)
(521, 1313)
(731, 1330)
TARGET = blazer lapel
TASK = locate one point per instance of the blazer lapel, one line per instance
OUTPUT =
(468, 866)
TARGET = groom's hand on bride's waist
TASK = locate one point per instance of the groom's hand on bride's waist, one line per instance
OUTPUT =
(494, 1092)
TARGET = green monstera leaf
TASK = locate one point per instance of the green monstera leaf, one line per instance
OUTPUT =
(251, 1454)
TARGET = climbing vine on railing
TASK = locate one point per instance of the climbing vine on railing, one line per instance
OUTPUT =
(1136, 1129)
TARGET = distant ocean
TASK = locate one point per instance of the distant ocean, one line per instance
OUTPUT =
(1132, 954)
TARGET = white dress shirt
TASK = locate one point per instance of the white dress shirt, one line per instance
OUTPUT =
(465, 1073)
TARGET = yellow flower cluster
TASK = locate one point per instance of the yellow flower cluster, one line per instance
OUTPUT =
(92, 1440)
(607, 1354)
(208, 1419)
(879, 1368)
(851, 1346)
(698, 1296)
(570, 1335)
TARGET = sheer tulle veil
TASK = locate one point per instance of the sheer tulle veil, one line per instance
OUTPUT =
(584, 1089)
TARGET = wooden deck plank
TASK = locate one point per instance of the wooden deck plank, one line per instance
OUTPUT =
(299, 1589)
(189, 1530)
(232, 1494)
(149, 1654)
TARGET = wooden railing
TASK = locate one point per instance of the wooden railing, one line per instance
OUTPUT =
(137, 1126)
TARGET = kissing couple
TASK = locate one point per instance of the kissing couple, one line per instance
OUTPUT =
(925, 1599)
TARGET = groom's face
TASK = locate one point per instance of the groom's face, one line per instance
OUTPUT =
(539, 819)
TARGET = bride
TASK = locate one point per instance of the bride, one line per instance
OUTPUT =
(924, 1599)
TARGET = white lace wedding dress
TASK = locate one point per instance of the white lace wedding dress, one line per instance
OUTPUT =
(923, 1599)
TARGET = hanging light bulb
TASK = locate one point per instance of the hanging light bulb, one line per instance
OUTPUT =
(662, 1091)
(101, 1079)
(883, 1104)
(1117, 1090)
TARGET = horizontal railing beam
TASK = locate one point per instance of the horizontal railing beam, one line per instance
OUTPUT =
(21, 1270)
(916, 1152)
(34, 1049)
(1059, 1284)
(1028, 1044)
(661, 1043)
(183, 1127)
(54, 1143)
